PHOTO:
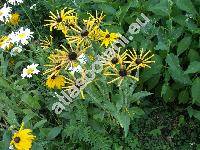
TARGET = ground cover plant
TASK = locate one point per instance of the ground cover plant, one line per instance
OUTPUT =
(99, 74)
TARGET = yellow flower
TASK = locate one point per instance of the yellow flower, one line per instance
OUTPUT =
(62, 21)
(72, 83)
(120, 74)
(108, 38)
(5, 43)
(22, 139)
(46, 43)
(14, 20)
(94, 20)
(55, 81)
(117, 58)
(64, 59)
(139, 61)
(90, 31)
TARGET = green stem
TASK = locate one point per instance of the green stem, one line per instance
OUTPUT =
(31, 21)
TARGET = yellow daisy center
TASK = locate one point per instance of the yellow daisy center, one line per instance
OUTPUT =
(29, 71)
(22, 35)
(1, 13)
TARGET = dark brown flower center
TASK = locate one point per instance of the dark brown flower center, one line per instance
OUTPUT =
(122, 72)
(114, 60)
(72, 56)
(53, 77)
(58, 67)
(138, 61)
(108, 35)
(17, 139)
(59, 19)
(84, 33)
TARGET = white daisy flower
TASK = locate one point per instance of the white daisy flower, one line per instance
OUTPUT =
(5, 13)
(30, 70)
(22, 36)
(15, 2)
(16, 50)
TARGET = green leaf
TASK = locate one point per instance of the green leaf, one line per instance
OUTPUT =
(193, 112)
(155, 132)
(5, 84)
(183, 45)
(161, 8)
(53, 133)
(167, 93)
(186, 5)
(30, 101)
(155, 69)
(11, 118)
(37, 146)
(176, 71)
(40, 123)
(139, 95)
(183, 97)
(195, 91)
(194, 67)
(29, 116)
(136, 112)
(193, 55)
(108, 9)
(124, 121)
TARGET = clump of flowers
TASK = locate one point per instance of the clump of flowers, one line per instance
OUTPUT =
(80, 37)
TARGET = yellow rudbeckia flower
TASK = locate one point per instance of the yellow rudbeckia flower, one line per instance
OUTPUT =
(55, 82)
(22, 139)
(14, 20)
(108, 38)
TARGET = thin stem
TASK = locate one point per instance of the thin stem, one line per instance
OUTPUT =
(30, 20)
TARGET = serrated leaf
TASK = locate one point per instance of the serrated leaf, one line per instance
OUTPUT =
(195, 91)
(183, 45)
(194, 67)
(124, 121)
(11, 118)
(176, 71)
(30, 101)
(139, 95)
(40, 123)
